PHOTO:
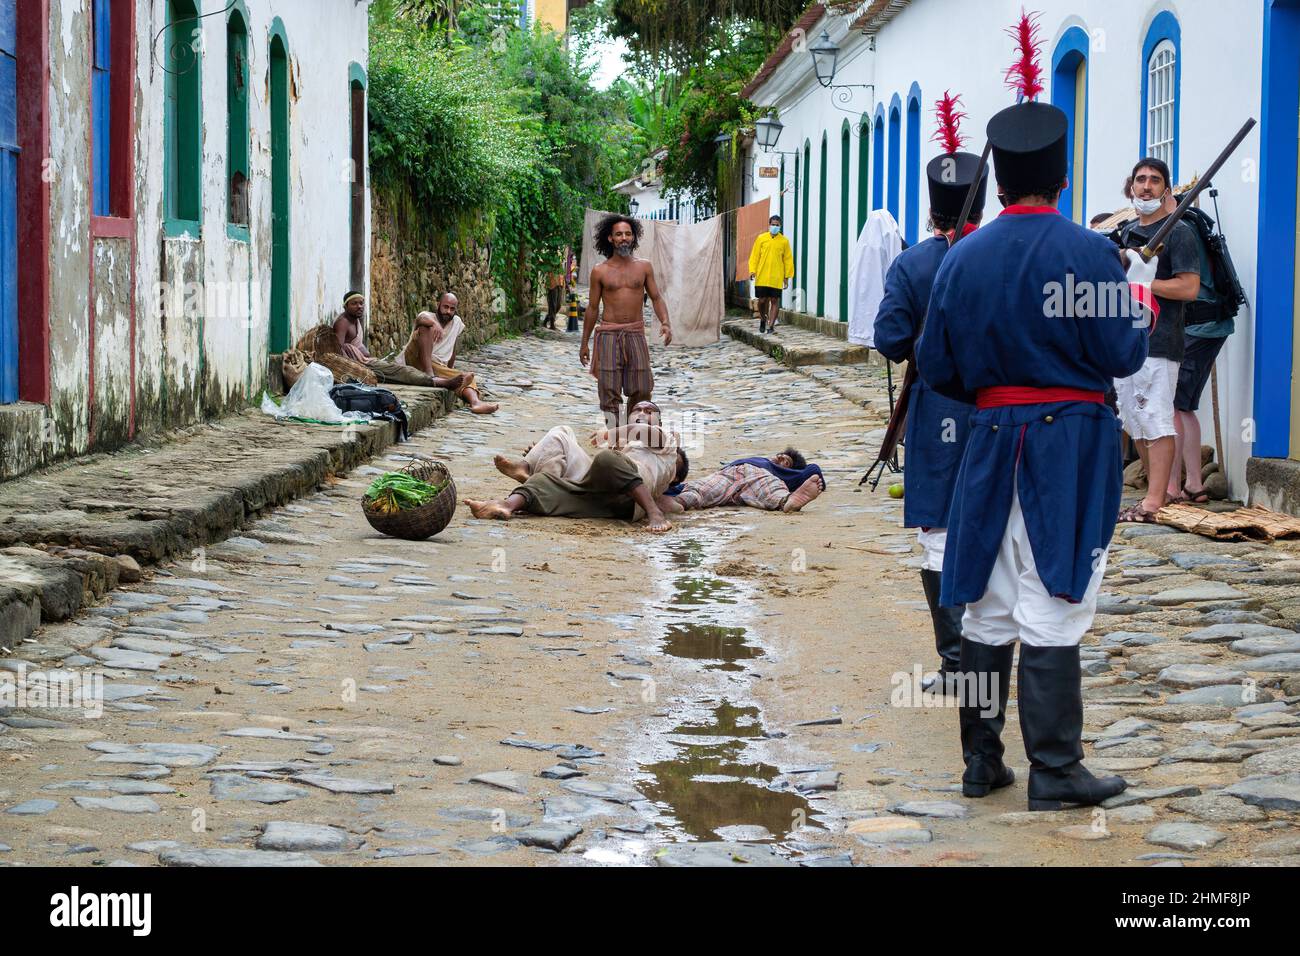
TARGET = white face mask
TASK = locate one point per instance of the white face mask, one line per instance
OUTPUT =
(1148, 206)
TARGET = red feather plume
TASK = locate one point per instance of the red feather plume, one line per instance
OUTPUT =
(948, 135)
(1025, 76)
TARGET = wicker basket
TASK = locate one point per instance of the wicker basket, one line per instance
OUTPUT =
(294, 364)
(322, 346)
(346, 370)
(416, 524)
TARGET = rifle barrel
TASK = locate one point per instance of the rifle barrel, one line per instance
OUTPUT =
(1152, 248)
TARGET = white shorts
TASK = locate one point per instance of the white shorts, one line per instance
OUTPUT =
(1146, 399)
(932, 544)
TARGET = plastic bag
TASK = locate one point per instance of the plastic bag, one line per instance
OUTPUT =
(310, 398)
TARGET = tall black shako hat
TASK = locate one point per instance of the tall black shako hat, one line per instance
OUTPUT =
(1029, 139)
(952, 171)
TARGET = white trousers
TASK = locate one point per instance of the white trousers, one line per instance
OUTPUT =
(559, 455)
(932, 544)
(1016, 605)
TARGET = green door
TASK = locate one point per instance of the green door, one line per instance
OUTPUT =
(279, 196)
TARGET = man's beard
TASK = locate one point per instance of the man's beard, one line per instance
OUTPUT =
(623, 248)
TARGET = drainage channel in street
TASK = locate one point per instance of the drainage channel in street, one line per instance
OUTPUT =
(706, 763)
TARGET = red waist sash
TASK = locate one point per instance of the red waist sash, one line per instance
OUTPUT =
(999, 395)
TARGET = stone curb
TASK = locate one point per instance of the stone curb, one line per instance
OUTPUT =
(794, 355)
(53, 563)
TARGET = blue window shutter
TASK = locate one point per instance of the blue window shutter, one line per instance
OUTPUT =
(101, 94)
(103, 33)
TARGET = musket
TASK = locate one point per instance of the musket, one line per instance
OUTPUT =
(1156, 243)
(898, 418)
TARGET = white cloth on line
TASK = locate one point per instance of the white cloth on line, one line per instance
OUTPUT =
(1016, 605)
(878, 246)
(932, 544)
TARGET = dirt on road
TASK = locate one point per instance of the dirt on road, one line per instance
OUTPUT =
(538, 691)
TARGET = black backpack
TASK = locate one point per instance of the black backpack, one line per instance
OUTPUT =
(377, 402)
(1229, 296)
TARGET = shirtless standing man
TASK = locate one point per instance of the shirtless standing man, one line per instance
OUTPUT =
(621, 364)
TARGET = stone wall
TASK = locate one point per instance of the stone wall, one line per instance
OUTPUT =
(411, 265)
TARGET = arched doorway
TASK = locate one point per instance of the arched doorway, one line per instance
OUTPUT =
(1070, 94)
(821, 233)
(280, 259)
(912, 178)
(357, 215)
(845, 165)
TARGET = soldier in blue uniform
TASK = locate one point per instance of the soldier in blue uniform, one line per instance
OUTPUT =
(1031, 318)
(937, 426)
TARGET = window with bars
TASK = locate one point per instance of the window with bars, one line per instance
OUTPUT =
(1161, 96)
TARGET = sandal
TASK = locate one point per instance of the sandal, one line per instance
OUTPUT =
(1196, 497)
(1134, 514)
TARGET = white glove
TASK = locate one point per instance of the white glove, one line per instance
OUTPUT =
(1139, 271)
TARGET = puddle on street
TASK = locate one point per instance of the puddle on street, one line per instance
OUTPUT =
(707, 790)
(710, 642)
(697, 591)
(705, 774)
(728, 721)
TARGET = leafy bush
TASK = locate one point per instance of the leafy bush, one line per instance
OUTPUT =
(481, 128)
(442, 127)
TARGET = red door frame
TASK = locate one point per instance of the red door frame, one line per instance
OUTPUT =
(34, 201)
(121, 225)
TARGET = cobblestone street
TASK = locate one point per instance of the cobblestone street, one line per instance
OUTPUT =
(554, 691)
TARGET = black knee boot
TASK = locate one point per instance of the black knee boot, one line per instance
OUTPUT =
(1050, 698)
(984, 683)
(947, 628)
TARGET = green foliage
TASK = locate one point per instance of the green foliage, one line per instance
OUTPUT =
(711, 104)
(678, 34)
(586, 146)
(690, 60)
(442, 129)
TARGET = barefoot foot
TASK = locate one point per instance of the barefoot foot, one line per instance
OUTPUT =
(484, 408)
(518, 470)
(657, 524)
(805, 493)
(488, 509)
(452, 383)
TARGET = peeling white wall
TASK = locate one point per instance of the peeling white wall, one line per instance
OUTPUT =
(205, 349)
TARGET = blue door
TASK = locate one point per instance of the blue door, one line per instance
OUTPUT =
(8, 203)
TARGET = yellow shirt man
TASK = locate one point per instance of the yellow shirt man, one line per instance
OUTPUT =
(771, 265)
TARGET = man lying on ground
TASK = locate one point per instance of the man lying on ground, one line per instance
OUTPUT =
(784, 482)
(634, 465)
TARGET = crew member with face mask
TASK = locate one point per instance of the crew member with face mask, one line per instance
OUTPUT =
(1146, 399)
(771, 267)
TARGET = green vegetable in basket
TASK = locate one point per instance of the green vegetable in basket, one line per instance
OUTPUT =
(398, 491)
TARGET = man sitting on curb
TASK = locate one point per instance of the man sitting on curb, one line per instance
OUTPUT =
(432, 350)
(784, 482)
(635, 465)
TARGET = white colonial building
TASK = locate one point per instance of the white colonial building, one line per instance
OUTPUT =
(182, 194)
(1172, 78)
